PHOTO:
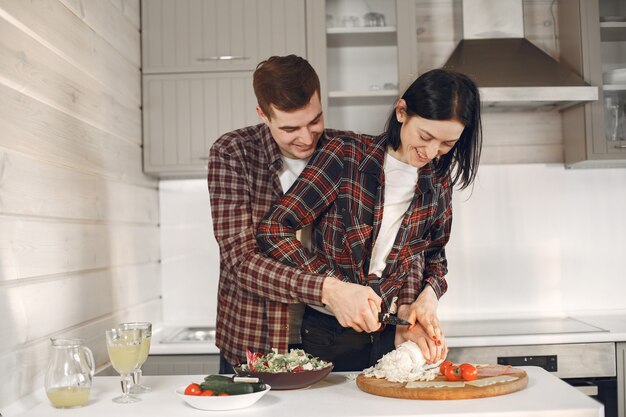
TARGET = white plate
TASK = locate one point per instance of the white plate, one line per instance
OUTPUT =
(230, 402)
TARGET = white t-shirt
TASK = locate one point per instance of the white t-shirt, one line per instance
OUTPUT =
(292, 168)
(400, 182)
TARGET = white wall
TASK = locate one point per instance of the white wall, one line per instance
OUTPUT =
(79, 237)
(190, 256)
(531, 240)
(538, 239)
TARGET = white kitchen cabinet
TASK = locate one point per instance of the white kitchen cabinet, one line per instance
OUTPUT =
(198, 60)
(597, 28)
(181, 365)
(359, 64)
(185, 113)
(219, 35)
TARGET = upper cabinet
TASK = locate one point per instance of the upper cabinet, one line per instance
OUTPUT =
(595, 134)
(199, 57)
(219, 35)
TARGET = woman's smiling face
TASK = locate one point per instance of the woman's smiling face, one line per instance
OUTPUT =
(422, 140)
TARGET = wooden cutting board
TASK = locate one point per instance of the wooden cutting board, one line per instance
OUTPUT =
(385, 388)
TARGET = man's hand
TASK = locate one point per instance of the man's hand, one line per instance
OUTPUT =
(353, 305)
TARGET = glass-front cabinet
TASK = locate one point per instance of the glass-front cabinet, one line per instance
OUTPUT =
(595, 134)
(613, 49)
(358, 61)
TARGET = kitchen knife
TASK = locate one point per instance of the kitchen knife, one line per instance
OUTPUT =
(387, 318)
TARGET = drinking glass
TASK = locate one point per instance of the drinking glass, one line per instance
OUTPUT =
(614, 119)
(124, 347)
(146, 329)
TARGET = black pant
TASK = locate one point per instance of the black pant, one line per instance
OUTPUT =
(348, 350)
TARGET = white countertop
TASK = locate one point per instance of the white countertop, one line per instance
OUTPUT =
(603, 327)
(337, 395)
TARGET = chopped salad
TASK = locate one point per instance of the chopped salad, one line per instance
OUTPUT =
(297, 360)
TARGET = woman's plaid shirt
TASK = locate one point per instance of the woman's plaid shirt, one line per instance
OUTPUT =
(341, 192)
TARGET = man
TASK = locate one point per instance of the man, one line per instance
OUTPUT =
(249, 169)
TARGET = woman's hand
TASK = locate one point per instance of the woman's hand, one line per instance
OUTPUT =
(423, 313)
(431, 351)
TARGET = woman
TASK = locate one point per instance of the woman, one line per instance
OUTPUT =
(432, 143)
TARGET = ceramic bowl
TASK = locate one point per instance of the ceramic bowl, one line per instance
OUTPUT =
(217, 403)
(289, 380)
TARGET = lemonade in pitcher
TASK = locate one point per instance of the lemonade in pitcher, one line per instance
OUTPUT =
(69, 373)
(67, 397)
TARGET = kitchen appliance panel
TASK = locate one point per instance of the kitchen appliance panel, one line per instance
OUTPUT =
(590, 367)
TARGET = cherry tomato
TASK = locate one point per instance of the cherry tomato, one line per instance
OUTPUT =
(223, 394)
(444, 365)
(453, 373)
(193, 389)
(468, 372)
(207, 393)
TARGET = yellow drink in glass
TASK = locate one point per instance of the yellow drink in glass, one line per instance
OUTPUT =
(124, 356)
(145, 328)
(65, 397)
(145, 350)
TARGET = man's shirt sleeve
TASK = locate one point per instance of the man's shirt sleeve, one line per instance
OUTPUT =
(234, 229)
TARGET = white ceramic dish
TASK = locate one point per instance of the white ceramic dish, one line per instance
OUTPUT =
(230, 402)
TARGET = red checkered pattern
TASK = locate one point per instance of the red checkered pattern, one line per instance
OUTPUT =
(341, 189)
(253, 290)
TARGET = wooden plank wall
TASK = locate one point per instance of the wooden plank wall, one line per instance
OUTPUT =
(509, 137)
(79, 232)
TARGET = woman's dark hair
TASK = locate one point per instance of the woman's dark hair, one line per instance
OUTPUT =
(285, 82)
(442, 94)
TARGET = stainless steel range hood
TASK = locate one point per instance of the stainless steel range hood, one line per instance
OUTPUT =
(510, 71)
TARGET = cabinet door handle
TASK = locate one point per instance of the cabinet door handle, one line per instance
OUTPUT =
(224, 58)
(620, 146)
(203, 158)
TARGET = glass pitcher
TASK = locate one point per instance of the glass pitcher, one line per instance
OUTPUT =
(69, 374)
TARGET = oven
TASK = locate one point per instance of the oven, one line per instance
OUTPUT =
(590, 367)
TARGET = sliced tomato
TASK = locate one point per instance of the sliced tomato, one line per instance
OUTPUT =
(207, 393)
(223, 394)
(468, 372)
(193, 389)
(453, 373)
(298, 368)
(444, 365)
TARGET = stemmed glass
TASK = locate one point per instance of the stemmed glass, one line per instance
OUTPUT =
(124, 347)
(146, 329)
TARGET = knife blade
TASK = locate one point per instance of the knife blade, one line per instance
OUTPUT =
(387, 318)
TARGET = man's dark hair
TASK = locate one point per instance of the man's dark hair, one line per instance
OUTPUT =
(285, 82)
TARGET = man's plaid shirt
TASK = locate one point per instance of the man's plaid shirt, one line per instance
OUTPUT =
(341, 192)
(254, 290)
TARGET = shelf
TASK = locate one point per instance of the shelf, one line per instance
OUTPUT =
(363, 94)
(364, 29)
(614, 87)
(613, 31)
